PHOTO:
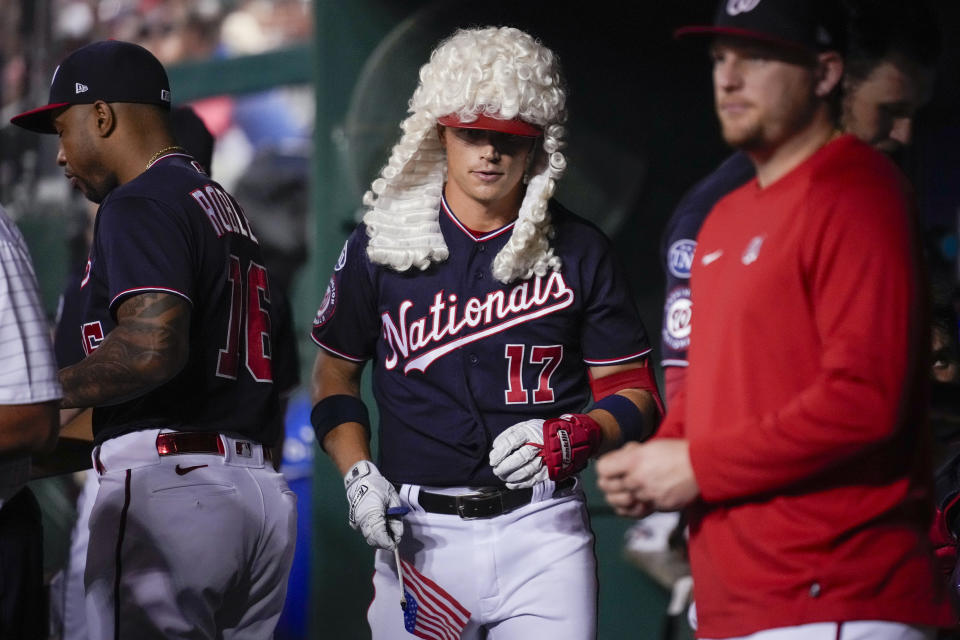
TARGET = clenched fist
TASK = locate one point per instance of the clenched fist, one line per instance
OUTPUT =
(370, 495)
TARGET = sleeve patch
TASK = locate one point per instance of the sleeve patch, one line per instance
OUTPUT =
(329, 303)
(680, 257)
(677, 312)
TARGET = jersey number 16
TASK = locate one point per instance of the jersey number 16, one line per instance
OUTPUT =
(248, 318)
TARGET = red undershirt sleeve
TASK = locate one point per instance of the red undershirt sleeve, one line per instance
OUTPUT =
(672, 425)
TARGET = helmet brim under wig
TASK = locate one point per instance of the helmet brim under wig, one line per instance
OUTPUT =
(512, 126)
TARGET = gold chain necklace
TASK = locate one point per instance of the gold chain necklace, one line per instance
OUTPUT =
(175, 147)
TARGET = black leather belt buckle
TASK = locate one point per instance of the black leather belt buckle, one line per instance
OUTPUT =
(478, 505)
(486, 503)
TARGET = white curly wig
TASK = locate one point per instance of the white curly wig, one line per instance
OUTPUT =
(499, 72)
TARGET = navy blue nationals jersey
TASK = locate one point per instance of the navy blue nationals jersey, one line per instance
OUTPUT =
(459, 356)
(677, 249)
(173, 230)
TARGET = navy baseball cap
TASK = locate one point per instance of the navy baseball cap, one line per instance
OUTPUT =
(110, 70)
(813, 25)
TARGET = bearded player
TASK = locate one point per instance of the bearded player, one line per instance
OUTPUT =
(490, 314)
(892, 48)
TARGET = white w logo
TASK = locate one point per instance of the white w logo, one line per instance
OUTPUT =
(735, 7)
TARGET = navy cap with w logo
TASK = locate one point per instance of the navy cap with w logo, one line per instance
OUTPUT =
(110, 70)
(813, 25)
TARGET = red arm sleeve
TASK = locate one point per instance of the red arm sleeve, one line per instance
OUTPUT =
(673, 381)
(672, 425)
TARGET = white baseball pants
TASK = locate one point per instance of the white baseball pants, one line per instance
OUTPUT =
(189, 546)
(529, 573)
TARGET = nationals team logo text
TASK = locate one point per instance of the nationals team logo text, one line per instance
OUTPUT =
(447, 319)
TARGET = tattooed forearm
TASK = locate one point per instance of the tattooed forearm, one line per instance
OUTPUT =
(148, 347)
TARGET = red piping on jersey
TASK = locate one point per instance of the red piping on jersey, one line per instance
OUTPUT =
(117, 557)
(473, 232)
(337, 353)
(169, 155)
(146, 289)
(600, 363)
(474, 235)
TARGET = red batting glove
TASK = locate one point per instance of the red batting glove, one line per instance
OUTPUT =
(568, 444)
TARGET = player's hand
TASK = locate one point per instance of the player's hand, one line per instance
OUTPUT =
(515, 455)
(616, 491)
(568, 444)
(656, 475)
(534, 450)
(369, 495)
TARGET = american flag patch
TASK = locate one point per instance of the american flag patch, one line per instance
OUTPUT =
(431, 612)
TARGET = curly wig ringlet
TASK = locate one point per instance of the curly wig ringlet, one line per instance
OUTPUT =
(499, 72)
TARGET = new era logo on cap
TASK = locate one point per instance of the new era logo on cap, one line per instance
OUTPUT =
(80, 88)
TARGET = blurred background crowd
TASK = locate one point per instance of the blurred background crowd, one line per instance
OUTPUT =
(262, 137)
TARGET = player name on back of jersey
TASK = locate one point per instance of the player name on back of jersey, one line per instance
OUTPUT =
(223, 214)
(497, 311)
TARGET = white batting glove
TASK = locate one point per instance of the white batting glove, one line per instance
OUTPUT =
(370, 495)
(515, 455)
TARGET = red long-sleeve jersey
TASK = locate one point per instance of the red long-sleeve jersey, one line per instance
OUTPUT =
(804, 403)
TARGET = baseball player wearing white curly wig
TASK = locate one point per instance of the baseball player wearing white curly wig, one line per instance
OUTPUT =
(479, 381)
(474, 79)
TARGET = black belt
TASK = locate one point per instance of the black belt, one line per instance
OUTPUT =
(486, 504)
